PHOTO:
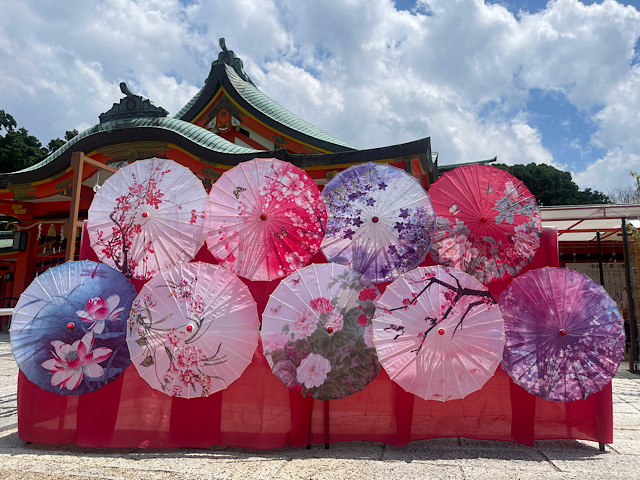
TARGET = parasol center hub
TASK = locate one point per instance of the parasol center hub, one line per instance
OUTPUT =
(563, 332)
(441, 331)
(145, 214)
(484, 219)
(375, 219)
(189, 328)
(263, 216)
(330, 329)
(70, 325)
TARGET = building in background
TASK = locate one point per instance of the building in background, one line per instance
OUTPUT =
(227, 122)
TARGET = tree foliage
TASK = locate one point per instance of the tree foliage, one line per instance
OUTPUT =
(551, 186)
(19, 149)
(56, 143)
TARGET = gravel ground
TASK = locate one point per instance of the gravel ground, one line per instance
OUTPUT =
(451, 458)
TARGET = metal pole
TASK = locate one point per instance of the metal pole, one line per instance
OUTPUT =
(633, 333)
(600, 259)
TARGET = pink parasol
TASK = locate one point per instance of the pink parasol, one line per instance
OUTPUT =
(438, 333)
(193, 330)
(317, 333)
(150, 215)
(565, 335)
(488, 223)
(268, 219)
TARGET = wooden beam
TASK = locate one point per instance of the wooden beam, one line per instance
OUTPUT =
(78, 159)
(77, 163)
(95, 163)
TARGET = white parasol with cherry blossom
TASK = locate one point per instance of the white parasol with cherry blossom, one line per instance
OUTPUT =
(150, 215)
(192, 330)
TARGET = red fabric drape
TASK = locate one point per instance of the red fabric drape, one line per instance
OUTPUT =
(257, 411)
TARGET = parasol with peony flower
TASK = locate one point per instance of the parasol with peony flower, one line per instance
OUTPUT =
(317, 333)
(565, 336)
(267, 219)
(439, 333)
(150, 215)
(488, 223)
(381, 222)
(192, 330)
(68, 329)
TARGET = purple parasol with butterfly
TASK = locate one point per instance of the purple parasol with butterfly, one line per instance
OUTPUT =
(565, 336)
(381, 222)
(267, 219)
(69, 327)
(317, 334)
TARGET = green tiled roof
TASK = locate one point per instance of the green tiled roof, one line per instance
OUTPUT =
(191, 132)
(273, 110)
(186, 108)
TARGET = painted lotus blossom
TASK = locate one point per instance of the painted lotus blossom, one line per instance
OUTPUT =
(99, 311)
(70, 363)
(313, 370)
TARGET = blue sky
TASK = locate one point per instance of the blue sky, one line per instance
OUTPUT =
(553, 82)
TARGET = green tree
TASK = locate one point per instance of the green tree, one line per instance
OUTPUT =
(7, 121)
(18, 149)
(551, 186)
(56, 143)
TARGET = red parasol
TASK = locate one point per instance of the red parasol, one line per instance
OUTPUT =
(488, 223)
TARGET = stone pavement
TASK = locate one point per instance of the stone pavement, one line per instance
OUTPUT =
(454, 458)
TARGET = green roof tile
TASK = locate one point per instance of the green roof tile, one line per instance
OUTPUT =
(194, 133)
(277, 112)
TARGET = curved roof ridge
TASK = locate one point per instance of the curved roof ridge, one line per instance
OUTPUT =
(274, 110)
(194, 133)
(190, 103)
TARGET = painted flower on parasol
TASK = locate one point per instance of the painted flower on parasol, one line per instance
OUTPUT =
(267, 219)
(565, 335)
(69, 327)
(439, 333)
(150, 215)
(193, 330)
(381, 222)
(317, 332)
(488, 223)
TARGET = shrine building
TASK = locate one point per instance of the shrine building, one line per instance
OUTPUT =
(227, 122)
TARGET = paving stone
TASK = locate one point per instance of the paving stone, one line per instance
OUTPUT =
(605, 463)
(371, 470)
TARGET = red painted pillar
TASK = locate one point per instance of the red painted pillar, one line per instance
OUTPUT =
(26, 264)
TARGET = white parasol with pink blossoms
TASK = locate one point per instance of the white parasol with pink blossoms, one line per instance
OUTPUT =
(150, 215)
(317, 334)
(68, 329)
(193, 330)
(267, 219)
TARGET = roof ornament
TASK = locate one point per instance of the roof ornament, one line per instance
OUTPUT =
(132, 106)
(228, 57)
